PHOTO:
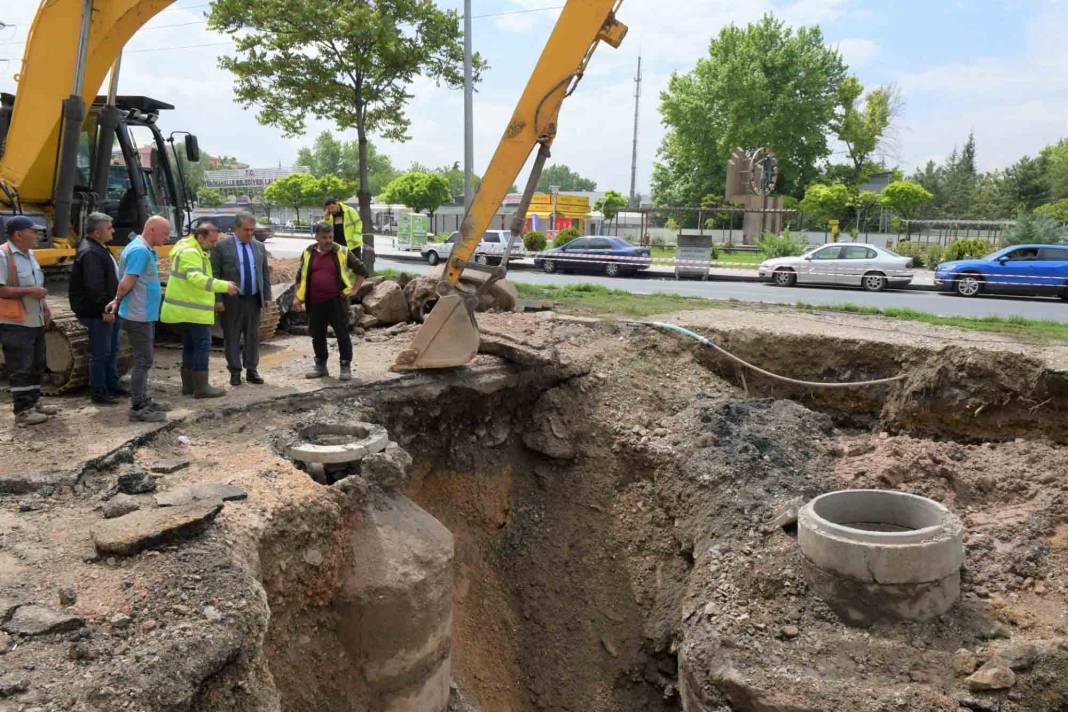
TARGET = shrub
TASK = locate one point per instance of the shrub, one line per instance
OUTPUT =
(715, 251)
(534, 241)
(1058, 211)
(784, 245)
(933, 255)
(657, 241)
(915, 250)
(1037, 227)
(967, 249)
(565, 236)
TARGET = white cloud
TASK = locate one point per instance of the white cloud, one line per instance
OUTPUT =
(857, 51)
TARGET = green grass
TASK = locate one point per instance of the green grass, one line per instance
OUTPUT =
(749, 258)
(1012, 325)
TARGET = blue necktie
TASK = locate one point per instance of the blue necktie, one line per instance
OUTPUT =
(246, 288)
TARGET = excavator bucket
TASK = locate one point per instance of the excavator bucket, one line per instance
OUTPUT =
(448, 337)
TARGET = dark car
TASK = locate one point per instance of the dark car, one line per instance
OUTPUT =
(611, 255)
(1020, 269)
(225, 223)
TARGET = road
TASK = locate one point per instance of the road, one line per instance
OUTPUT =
(1050, 309)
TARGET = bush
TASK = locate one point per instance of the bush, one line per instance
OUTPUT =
(967, 249)
(933, 255)
(715, 251)
(1035, 228)
(1058, 211)
(915, 250)
(534, 241)
(565, 236)
(657, 241)
(784, 245)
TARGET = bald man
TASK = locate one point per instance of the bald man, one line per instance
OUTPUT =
(137, 301)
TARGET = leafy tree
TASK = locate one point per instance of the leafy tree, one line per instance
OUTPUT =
(562, 176)
(610, 204)
(349, 61)
(863, 129)
(764, 84)
(342, 158)
(826, 202)
(1056, 158)
(295, 190)
(209, 197)
(863, 204)
(1057, 211)
(329, 186)
(905, 198)
(419, 191)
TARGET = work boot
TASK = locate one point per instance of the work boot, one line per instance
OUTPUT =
(346, 372)
(161, 406)
(318, 371)
(46, 408)
(187, 382)
(203, 389)
(30, 417)
(235, 378)
(253, 376)
(146, 414)
(103, 399)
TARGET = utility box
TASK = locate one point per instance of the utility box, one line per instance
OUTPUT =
(693, 249)
(412, 229)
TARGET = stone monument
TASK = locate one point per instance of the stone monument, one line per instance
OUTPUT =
(751, 179)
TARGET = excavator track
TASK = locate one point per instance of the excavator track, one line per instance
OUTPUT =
(67, 352)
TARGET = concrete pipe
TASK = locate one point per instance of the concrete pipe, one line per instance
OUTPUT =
(880, 555)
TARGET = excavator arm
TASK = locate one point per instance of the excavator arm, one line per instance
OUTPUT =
(47, 77)
(449, 336)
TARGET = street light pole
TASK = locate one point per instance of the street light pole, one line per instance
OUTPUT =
(469, 121)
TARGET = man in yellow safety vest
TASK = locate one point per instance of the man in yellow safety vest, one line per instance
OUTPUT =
(190, 302)
(348, 227)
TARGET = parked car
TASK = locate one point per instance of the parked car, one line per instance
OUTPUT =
(225, 223)
(1020, 269)
(843, 263)
(613, 256)
(490, 250)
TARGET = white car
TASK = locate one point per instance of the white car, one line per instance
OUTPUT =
(490, 250)
(848, 264)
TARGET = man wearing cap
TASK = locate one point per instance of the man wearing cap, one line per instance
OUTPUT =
(22, 334)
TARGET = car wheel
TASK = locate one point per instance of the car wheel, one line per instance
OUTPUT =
(611, 269)
(785, 277)
(968, 285)
(874, 282)
(432, 258)
(481, 259)
(548, 266)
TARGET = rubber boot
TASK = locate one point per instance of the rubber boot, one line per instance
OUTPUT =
(346, 372)
(203, 389)
(187, 381)
(318, 370)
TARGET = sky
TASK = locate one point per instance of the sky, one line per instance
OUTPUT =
(995, 67)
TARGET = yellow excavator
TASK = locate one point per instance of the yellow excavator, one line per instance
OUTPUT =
(65, 152)
(449, 335)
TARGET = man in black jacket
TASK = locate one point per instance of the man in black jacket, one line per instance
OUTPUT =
(93, 281)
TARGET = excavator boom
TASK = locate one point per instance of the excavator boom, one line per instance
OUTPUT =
(449, 336)
(46, 79)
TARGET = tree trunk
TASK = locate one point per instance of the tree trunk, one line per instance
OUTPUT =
(363, 195)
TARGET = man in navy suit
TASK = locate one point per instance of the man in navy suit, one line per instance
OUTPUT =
(242, 259)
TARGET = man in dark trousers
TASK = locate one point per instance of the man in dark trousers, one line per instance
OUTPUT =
(22, 335)
(242, 259)
(328, 274)
(93, 281)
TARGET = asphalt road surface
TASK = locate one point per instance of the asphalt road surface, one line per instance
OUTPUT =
(1051, 309)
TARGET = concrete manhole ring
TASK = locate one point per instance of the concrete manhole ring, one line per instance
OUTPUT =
(350, 443)
(882, 555)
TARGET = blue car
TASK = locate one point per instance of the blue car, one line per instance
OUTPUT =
(611, 255)
(1020, 269)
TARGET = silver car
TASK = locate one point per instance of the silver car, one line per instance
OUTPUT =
(844, 263)
(490, 250)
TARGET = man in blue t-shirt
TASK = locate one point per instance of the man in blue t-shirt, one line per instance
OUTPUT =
(137, 302)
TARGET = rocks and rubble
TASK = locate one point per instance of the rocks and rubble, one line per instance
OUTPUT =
(148, 528)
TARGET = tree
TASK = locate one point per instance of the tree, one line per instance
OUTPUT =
(862, 204)
(329, 186)
(419, 191)
(863, 130)
(294, 191)
(329, 156)
(961, 180)
(209, 197)
(350, 62)
(826, 202)
(764, 84)
(610, 204)
(1056, 159)
(1026, 183)
(905, 198)
(1055, 211)
(565, 178)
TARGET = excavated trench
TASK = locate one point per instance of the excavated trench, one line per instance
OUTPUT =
(594, 535)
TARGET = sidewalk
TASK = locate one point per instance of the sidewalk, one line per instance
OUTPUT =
(385, 248)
